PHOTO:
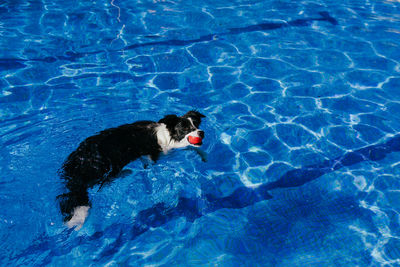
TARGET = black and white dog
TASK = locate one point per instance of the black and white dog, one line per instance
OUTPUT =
(101, 157)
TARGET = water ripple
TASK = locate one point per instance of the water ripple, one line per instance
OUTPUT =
(302, 129)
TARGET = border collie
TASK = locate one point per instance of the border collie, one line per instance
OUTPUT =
(101, 157)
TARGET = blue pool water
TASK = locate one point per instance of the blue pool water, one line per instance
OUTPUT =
(302, 131)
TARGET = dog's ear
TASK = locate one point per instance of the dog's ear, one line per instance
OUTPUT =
(195, 116)
(170, 121)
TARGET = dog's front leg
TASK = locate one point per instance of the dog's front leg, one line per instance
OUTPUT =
(203, 155)
(147, 161)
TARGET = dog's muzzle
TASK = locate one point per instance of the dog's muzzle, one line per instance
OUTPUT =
(196, 140)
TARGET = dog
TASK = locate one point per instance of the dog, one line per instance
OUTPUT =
(101, 158)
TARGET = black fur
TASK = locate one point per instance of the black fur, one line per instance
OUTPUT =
(101, 157)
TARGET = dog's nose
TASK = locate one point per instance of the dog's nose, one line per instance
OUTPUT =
(201, 134)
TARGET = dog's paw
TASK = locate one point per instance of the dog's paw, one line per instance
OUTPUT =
(78, 217)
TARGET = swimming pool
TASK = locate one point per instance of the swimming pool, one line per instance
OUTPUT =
(302, 105)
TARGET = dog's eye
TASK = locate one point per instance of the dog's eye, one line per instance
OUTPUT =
(186, 125)
(196, 123)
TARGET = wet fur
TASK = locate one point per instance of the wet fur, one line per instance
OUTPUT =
(101, 157)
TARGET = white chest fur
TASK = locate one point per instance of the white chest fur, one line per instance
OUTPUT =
(166, 142)
(163, 137)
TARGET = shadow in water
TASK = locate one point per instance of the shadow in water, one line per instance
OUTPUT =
(193, 208)
(12, 63)
(267, 26)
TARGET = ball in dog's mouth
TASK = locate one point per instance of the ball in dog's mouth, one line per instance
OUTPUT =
(195, 140)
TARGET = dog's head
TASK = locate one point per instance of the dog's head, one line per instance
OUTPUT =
(181, 131)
